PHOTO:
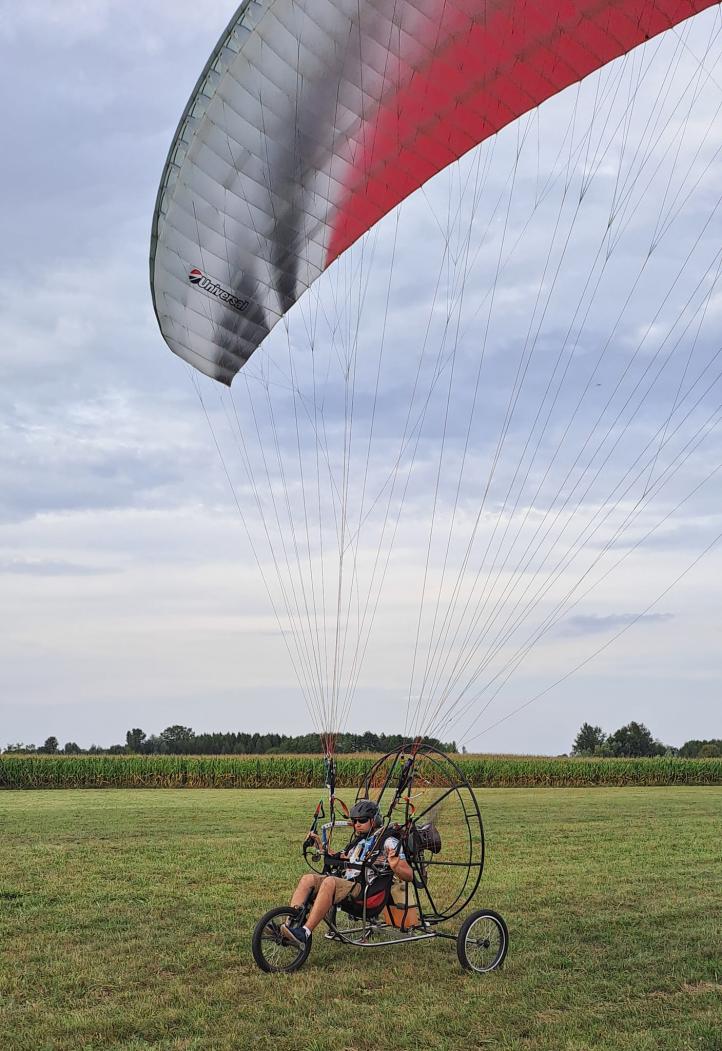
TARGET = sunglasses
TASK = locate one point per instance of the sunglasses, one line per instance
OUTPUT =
(359, 820)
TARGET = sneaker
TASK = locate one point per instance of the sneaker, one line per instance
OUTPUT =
(295, 935)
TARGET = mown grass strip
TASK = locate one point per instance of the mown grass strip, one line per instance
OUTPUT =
(170, 771)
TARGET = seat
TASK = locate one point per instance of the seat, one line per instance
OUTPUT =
(376, 897)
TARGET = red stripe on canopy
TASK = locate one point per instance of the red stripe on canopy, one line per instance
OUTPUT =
(487, 64)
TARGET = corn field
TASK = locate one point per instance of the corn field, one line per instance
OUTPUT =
(134, 771)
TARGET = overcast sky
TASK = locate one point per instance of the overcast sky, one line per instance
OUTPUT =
(129, 593)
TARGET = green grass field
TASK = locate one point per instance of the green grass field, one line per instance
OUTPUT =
(125, 922)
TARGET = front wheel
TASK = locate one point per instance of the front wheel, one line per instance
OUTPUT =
(482, 941)
(270, 951)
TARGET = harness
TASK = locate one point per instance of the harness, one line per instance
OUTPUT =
(376, 890)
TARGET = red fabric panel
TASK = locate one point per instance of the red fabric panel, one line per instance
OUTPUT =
(488, 62)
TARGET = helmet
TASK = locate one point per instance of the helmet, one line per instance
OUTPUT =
(366, 810)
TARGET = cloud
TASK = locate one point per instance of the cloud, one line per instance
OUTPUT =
(61, 318)
(596, 624)
(38, 567)
(114, 451)
(69, 23)
(109, 23)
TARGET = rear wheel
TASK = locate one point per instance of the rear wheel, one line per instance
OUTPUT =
(270, 950)
(482, 941)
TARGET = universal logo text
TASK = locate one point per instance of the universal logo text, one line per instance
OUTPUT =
(216, 290)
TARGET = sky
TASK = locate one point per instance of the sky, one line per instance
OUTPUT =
(129, 591)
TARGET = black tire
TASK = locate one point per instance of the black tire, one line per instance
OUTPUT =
(482, 942)
(270, 951)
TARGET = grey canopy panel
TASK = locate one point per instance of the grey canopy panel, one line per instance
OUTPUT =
(240, 227)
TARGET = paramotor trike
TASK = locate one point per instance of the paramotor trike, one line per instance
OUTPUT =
(426, 803)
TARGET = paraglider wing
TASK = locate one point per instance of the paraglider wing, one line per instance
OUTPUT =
(314, 118)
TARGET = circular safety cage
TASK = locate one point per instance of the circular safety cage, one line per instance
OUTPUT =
(426, 794)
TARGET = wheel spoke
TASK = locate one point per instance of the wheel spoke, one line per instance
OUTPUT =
(483, 941)
(271, 951)
(483, 945)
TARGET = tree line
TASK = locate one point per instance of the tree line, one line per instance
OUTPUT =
(635, 740)
(181, 740)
